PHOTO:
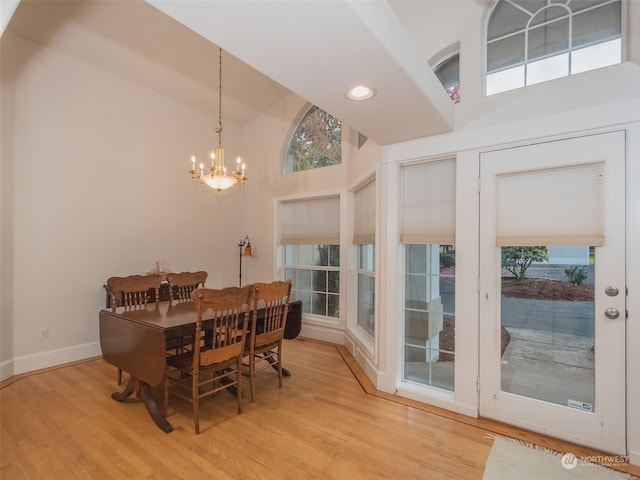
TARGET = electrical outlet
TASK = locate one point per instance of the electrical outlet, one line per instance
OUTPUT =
(43, 334)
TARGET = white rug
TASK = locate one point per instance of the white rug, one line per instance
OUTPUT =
(512, 459)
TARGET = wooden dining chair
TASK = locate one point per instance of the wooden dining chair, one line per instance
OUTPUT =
(182, 284)
(132, 292)
(264, 345)
(180, 287)
(216, 365)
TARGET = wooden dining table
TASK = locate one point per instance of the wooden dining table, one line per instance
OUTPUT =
(135, 340)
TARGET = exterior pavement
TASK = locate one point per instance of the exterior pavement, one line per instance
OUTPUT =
(550, 356)
(554, 367)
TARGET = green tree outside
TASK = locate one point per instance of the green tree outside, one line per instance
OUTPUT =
(516, 260)
(317, 141)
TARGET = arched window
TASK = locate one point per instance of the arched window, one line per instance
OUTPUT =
(532, 41)
(448, 72)
(317, 142)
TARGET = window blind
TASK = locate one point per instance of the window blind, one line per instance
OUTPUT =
(312, 221)
(554, 206)
(364, 230)
(428, 203)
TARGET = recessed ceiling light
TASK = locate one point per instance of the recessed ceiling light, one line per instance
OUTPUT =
(360, 92)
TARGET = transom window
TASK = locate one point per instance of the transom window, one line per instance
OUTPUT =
(316, 143)
(448, 72)
(532, 41)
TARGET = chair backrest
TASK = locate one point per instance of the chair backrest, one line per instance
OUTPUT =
(134, 289)
(182, 284)
(273, 299)
(229, 308)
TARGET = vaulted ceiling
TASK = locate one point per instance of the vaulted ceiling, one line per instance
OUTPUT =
(316, 49)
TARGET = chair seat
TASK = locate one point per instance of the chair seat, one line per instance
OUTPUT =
(209, 359)
(261, 348)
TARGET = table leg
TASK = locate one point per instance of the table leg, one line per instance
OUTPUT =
(143, 389)
(152, 408)
(129, 388)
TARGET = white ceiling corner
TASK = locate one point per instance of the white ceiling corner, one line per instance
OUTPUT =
(316, 49)
(320, 49)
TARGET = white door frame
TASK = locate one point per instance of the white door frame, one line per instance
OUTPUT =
(605, 427)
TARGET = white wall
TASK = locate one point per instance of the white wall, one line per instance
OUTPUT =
(7, 109)
(95, 183)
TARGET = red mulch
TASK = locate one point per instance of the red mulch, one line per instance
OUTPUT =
(542, 289)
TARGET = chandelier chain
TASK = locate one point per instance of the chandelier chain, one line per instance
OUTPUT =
(219, 129)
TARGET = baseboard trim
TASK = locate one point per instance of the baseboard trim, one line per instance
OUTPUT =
(6, 369)
(322, 333)
(49, 358)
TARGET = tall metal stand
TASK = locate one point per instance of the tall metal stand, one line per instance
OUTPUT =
(246, 244)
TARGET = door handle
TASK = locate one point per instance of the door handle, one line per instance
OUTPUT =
(611, 291)
(611, 313)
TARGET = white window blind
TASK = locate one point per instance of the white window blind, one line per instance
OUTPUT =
(312, 221)
(428, 203)
(554, 206)
(365, 214)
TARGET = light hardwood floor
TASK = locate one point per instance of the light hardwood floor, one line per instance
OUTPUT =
(327, 422)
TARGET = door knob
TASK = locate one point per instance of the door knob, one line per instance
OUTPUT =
(612, 313)
(611, 291)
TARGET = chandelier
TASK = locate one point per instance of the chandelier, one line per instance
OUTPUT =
(216, 175)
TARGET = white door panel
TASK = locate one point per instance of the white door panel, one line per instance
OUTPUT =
(601, 420)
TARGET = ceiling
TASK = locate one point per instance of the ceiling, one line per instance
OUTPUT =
(316, 49)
